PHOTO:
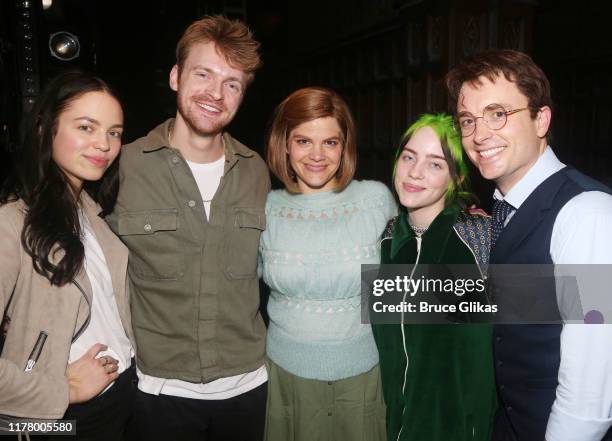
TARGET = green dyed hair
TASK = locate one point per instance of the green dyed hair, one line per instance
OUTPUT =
(443, 125)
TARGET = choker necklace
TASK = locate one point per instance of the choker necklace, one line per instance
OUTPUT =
(418, 230)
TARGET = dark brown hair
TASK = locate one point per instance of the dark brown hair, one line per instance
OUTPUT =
(51, 223)
(232, 38)
(515, 66)
(302, 106)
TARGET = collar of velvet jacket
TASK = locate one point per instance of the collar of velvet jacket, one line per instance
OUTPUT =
(438, 232)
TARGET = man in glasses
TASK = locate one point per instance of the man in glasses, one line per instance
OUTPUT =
(554, 381)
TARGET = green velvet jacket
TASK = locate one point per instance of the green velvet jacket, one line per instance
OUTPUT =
(449, 393)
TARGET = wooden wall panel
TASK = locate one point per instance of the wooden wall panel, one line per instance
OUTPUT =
(389, 58)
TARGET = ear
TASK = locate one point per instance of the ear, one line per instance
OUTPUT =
(542, 121)
(174, 77)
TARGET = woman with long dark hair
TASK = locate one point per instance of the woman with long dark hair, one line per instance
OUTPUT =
(67, 350)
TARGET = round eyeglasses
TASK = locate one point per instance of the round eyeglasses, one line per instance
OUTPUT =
(494, 116)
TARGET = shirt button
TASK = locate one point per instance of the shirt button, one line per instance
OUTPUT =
(329, 414)
(191, 203)
(329, 383)
(509, 408)
(498, 339)
(500, 363)
(502, 386)
(147, 227)
(175, 159)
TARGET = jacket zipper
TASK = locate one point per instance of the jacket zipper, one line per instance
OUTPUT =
(418, 239)
(82, 328)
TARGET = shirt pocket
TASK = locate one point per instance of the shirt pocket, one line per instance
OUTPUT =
(242, 245)
(154, 243)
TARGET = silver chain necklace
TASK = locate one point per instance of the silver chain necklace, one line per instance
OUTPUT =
(419, 231)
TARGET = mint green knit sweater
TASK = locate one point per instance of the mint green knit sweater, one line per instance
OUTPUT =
(312, 251)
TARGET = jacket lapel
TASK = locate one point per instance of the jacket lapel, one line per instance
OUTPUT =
(439, 232)
(115, 254)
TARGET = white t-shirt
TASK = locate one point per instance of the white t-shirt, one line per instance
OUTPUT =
(207, 176)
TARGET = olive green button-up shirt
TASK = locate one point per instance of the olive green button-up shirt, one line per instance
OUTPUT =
(194, 287)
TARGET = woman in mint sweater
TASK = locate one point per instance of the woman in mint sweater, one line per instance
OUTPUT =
(324, 381)
(437, 379)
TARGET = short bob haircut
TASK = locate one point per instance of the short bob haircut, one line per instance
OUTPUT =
(233, 39)
(515, 66)
(458, 190)
(302, 106)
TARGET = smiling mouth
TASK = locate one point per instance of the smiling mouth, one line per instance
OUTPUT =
(315, 168)
(411, 188)
(208, 108)
(490, 152)
(98, 162)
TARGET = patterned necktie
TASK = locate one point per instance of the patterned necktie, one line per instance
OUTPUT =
(501, 210)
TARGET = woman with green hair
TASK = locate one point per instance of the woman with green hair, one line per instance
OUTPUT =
(437, 379)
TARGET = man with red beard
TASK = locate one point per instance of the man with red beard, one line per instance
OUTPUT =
(191, 210)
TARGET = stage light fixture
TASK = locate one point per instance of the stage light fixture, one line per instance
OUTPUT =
(64, 46)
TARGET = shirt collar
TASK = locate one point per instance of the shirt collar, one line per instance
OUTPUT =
(233, 147)
(546, 165)
(159, 138)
